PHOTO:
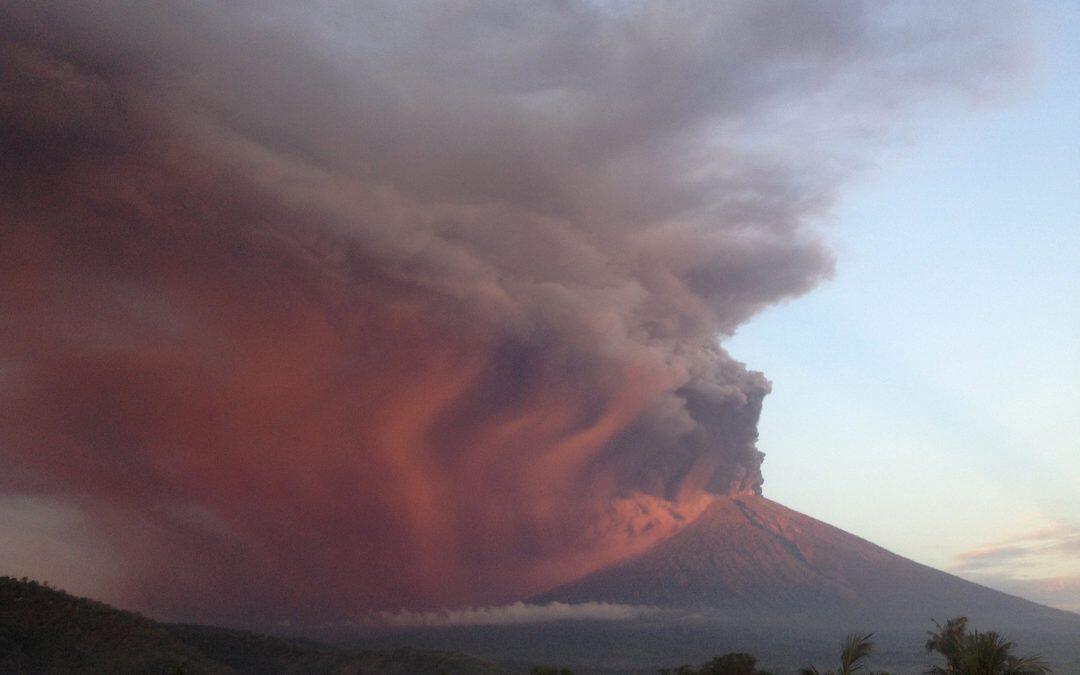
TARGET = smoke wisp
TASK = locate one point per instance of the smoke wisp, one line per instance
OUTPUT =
(514, 613)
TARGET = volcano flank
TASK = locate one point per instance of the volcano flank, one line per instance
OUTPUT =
(751, 553)
(751, 574)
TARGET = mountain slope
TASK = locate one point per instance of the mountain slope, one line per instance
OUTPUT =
(43, 630)
(751, 554)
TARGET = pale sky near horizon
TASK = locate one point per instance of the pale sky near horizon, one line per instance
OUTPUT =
(939, 371)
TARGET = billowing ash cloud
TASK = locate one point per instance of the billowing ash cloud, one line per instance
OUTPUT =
(319, 309)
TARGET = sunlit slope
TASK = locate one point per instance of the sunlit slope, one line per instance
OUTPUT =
(752, 554)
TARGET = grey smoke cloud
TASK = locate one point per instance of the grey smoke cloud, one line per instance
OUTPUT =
(418, 304)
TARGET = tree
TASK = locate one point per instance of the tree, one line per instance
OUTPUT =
(734, 663)
(685, 669)
(854, 651)
(978, 653)
(948, 641)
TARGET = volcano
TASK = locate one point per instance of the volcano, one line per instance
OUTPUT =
(748, 553)
(751, 574)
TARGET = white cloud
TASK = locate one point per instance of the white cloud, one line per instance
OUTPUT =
(518, 612)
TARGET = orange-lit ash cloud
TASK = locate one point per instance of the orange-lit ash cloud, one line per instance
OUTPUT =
(309, 323)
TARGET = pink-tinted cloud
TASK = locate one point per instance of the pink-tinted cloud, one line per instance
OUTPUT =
(1041, 565)
(386, 305)
(1029, 549)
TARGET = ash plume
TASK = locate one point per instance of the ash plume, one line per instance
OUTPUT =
(314, 310)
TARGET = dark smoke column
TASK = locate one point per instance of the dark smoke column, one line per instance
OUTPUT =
(310, 312)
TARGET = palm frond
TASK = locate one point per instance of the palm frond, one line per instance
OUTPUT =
(853, 653)
(1026, 665)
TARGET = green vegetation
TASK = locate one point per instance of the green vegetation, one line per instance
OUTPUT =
(735, 663)
(977, 653)
(45, 630)
(965, 653)
(855, 650)
(550, 670)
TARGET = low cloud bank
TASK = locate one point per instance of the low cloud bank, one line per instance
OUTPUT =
(1061, 592)
(1048, 546)
(514, 613)
(1040, 565)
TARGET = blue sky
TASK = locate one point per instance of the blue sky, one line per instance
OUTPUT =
(928, 397)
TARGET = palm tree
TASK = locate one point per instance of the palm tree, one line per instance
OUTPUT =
(854, 651)
(1025, 665)
(985, 653)
(949, 642)
(978, 653)
(735, 663)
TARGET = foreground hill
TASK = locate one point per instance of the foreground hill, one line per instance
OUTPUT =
(43, 630)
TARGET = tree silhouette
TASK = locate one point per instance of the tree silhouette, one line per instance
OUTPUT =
(734, 663)
(978, 653)
(854, 651)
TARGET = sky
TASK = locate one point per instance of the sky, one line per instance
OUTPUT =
(323, 309)
(940, 367)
